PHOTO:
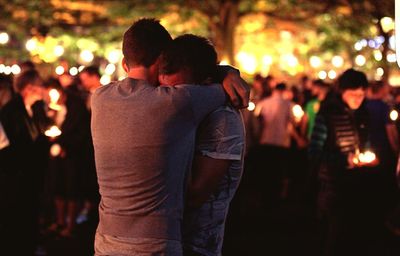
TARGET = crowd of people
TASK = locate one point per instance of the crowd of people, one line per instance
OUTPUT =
(333, 149)
(157, 157)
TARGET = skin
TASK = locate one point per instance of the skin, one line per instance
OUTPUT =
(353, 97)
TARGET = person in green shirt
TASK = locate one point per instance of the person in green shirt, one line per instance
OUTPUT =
(319, 90)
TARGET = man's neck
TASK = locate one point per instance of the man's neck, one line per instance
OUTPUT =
(140, 73)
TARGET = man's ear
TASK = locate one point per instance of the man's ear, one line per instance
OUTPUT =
(125, 65)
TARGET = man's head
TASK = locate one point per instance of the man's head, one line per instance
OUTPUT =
(90, 78)
(378, 90)
(319, 88)
(6, 90)
(143, 43)
(29, 85)
(188, 59)
(352, 86)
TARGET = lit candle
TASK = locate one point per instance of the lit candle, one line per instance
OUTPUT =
(363, 158)
(298, 112)
(53, 132)
(394, 115)
(54, 97)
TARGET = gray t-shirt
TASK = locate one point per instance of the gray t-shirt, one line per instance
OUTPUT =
(144, 139)
(276, 115)
(220, 136)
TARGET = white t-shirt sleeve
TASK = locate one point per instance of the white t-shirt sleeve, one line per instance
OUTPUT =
(4, 142)
(221, 135)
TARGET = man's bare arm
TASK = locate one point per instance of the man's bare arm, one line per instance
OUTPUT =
(206, 175)
(235, 87)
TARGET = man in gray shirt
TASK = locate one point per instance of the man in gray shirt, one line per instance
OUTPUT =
(143, 137)
(218, 162)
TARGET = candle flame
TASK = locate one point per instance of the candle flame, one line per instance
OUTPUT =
(298, 112)
(53, 132)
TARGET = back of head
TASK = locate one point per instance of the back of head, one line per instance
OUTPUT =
(280, 87)
(92, 71)
(143, 42)
(377, 87)
(25, 78)
(5, 82)
(352, 79)
(190, 53)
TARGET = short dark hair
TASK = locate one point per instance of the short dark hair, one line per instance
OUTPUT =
(281, 87)
(91, 70)
(352, 79)
(30, 76)
(320, 83)
(377, 86)
(5, 82)
(191, 52)
(144, 41)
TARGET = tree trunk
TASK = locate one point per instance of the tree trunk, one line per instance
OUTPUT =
(224, 30)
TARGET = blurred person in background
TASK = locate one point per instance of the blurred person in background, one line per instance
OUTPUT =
(319, 90)
(21, 166)
(89, 79)
(277, 130)
(6, 89)
(348, 197)
(68, 157)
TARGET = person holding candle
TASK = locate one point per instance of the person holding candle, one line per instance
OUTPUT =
(67, 164)
(345, 165)
(21, 166)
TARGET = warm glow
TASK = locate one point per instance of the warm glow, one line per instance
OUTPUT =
(7, 70)
(337, 61)
(378, 55)
(54, 95)
(4, 38)
(55, 150)
(251, 106)
(367, 157)
(105, 79)
(31, 44)
(267, 60)
(248, 62)
(332, 74)
(387, 24)
(291, 60)
(322, 75)
(315, 61)
(380, 72)
(394, 115)
(114, 56)
(58, 50)
(391, 57)
(73, 71)
(224, 62)
(2, 68)
(358, 46)
(15, 69)
(81, 68)
(110, 69)
(86, 56)
(53, 132)
(60, 70)
(298, 112)
(360, 60)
